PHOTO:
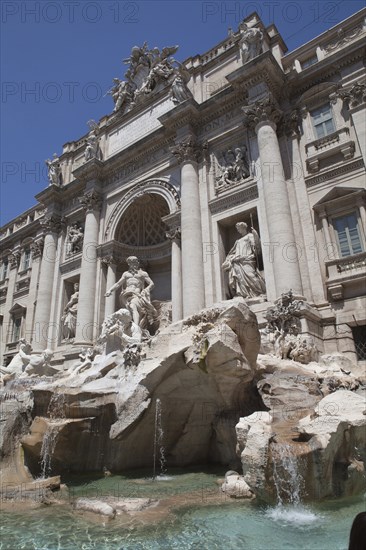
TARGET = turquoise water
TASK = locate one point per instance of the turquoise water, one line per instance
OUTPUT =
(202, 525)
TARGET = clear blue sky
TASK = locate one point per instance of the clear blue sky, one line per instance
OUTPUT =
(68, 51)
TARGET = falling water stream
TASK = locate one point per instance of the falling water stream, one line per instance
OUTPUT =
(159, 451)
(56, 413)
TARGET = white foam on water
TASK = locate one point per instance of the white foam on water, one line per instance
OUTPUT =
(163, 477)
(294, 515)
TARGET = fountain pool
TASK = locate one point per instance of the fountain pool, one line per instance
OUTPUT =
(208, 521)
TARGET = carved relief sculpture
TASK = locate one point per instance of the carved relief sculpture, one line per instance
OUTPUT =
(250, 42)
(234, 168)
(135, 287)
(241, 263)
(54, 170)
(69, 316)
(74, 240)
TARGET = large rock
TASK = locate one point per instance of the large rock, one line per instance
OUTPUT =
(198, 369)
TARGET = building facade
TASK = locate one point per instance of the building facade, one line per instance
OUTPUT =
(245, 132)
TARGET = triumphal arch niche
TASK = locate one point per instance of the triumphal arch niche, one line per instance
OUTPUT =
(141, 225)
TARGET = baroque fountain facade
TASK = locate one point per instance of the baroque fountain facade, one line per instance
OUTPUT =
(197, 262)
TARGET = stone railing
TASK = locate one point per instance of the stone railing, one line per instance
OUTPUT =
(327, 146)
(345, 270)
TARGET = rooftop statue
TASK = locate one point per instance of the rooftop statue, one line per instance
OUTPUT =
(54, 170)
(92, 149)
(149, 68)
(251, 40)
(241, 263)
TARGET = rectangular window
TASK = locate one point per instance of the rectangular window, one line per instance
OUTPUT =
(3, 270)
(348, 235)
(26, 259)
(309, 61)
(17, 324)
(359, 337)
(323, 120)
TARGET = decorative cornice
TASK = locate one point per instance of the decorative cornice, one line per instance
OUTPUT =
(264, 110)
(188, 150)
(229, 200)
(91, 201)
(339, 171)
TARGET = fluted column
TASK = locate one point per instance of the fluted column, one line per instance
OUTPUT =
(282, 249)
(13, 259)
(91, 202)
(110, 301)
(187, 153)
(36, 251)
(177, 307)
(51, 226)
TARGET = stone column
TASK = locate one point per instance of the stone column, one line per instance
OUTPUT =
(363, 216)
(282, 248)
(13, 259)
(177, 306)
(323, 217)
(85, 317)
(51, 226)
(110, 301)
(36, 251)
(355, 100)
(188, 153)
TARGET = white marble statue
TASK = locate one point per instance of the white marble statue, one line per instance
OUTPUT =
(92, 149)
(19, 361)
(118, 331)
(37, 364)
(121, 93)
(234, 168)
(241, 263)
(54, 170)
(69, 316)
(135, 287)
(250, 42)
(74, 240)
(179, 91)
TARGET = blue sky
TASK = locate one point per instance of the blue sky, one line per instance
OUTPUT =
(59, 57)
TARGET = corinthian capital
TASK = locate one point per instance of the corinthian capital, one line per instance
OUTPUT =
(174, 234)
(14, 259)
(37, 248)
(354, 96)
(188, 150)
(91, 201)
(263, 110)
(51, 224)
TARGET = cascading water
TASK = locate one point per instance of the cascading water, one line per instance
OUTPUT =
(289, 485)
(56, 413)
(159, 451)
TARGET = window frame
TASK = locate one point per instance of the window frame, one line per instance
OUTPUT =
(344, 214)
(323, 122)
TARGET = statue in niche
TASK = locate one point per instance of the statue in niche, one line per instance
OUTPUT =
(69, 316)
(250, 42)
(135, 287)
(241, 264)
(74, 241)
(54, 170)
(235, 167)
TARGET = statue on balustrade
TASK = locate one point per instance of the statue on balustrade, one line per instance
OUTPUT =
(69, 316)
(135, 287)
(92, 149)
(242, 266)
(250, 42)
(54, 170)
(74, 241)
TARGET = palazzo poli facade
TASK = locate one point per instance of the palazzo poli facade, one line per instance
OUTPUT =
(242, 133)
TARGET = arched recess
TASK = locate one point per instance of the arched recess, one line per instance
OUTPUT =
(158, 187)
(136, 228)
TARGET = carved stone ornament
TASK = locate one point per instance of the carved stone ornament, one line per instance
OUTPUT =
(51, 224)
(188, 150)
(263, 110)
(233, 167)
(91, 201)
(37, 248)
(282, 317)
(290, 124)
(355, 96)
(14, 259)
(174, 234)
(108, 260)
(148, 71)
(74, 239)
